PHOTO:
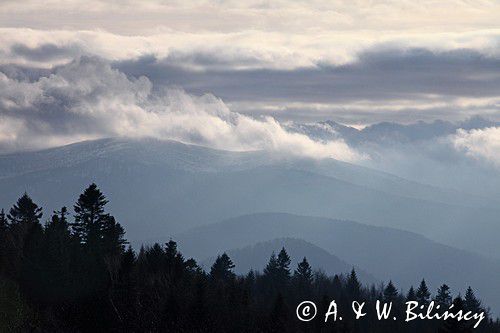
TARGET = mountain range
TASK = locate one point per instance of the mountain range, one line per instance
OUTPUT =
(158, 190)
(386, 253)
(256, 256)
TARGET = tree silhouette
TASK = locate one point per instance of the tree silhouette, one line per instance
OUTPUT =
(90, 218)
(411, 295)
(283, 262)
(272, 266)
(74, 275)
(353, 285)
(390, 292)
(452, 325)
(423, 295)
(222, 269)
(25, 211)
(471, 303)
(443, 296)
(58, 254)
(303, 274)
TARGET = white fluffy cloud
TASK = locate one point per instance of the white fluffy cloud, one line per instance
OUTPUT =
(482, 144)
(240, 49)
(88, 99)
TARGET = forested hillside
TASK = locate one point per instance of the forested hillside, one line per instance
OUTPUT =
(75, 273)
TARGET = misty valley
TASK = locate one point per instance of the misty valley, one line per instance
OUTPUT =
(216, 237)
(77, 273)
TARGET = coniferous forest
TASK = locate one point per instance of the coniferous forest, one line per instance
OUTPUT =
(75, 272)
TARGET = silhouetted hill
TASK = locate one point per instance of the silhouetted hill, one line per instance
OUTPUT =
(162, 187)
(256, 257)
(387, 253)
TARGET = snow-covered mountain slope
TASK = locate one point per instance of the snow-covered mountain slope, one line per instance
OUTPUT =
(158, 188)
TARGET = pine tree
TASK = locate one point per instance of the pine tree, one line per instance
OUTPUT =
(25, 211)
(175, 263)
(353, 285)
(26, 230)
(96, 229)
(113, 237)
(58, 256)
(471, 303)
(58, 222)
(101, 241)
(27, 241)
(443, 296)
(390, 292)
(222, 269)
(90, 217)
(271, 268)
(303, 274)
(171, 250)
(423, 295)
(283, 262)
(411, 295)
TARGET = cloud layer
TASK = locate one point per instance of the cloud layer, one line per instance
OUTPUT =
(481, 144)
(356, 62)
(396, 77)
(88, 99)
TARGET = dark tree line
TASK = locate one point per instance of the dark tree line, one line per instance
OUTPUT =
(75, 273)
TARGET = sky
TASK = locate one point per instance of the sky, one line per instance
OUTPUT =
(229, 74)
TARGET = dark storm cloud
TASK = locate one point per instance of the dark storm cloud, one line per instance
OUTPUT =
(377, 75)
(45, 52)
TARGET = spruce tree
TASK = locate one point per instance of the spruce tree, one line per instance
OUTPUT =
(175, 263)
(97, 230)
(58, 222)
(353, 285)
(443, 296)
(58, 256)
(113, 237)
(271, 269)
(222, 269)
(101, 239)
(27, 235)
(25, 212)
(283, 262)
(90, 217)
(471, 303)
(423, 295)
(390, 292)
(411, 295)
(303, 274)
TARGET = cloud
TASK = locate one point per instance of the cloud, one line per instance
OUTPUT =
(133, 17)
(353, 62)
(481, 144)
(381, 85)
(87, 98)
(340, 71)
